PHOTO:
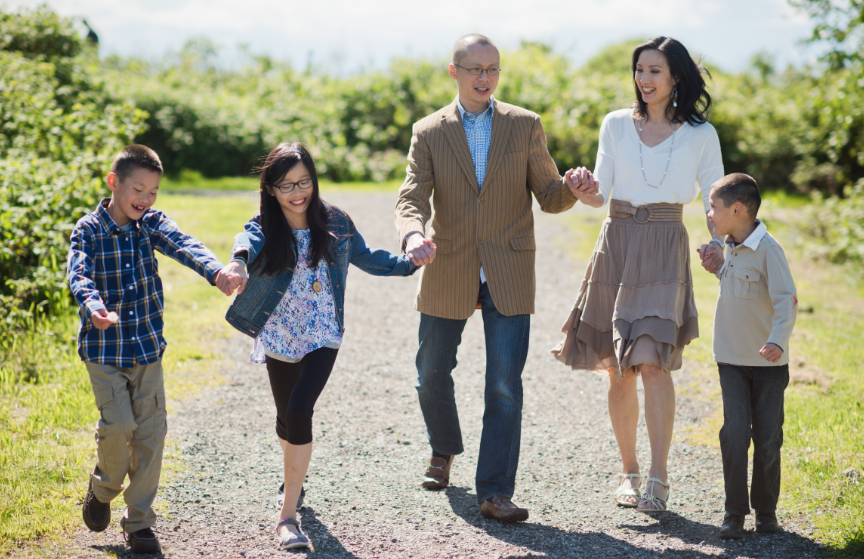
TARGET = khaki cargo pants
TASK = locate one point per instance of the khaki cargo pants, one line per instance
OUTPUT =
(130, 436)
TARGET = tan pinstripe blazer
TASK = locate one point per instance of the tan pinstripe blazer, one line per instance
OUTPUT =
(492, 226)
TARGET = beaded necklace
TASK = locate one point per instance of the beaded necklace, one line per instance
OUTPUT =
(642, 164)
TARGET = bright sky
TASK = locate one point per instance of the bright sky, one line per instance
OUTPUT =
(348, 35)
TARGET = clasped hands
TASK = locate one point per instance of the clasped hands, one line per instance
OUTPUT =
(581, 182)
(233, 276)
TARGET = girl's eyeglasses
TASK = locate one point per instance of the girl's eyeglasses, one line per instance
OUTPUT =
(288, 187)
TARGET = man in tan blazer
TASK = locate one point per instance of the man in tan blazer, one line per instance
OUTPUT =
(478, 161)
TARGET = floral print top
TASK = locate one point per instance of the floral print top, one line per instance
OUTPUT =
(304, 320)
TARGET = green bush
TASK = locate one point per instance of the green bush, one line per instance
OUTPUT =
(834, 227)
(59, 136)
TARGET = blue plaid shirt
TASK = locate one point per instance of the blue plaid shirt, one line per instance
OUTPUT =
(478, 132)
(109, 268)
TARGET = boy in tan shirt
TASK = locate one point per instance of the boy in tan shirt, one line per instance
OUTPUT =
(756, 312)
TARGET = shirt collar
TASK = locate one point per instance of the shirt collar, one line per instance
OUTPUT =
(490, 109)
(752, 242)
(106, 219)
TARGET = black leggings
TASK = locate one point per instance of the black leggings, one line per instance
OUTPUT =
(296, 387)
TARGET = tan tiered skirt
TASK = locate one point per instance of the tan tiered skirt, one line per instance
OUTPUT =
(635, 305)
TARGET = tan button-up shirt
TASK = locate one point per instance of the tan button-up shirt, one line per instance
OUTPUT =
(757, 304)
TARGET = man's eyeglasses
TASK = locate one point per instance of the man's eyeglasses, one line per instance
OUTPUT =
(288, 187)
(477, 71)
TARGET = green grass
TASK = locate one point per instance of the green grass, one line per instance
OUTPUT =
(192, 180)
(824, 425)
(46, 422)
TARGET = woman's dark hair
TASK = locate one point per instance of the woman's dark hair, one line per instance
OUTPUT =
(279, 244)
(693, 99)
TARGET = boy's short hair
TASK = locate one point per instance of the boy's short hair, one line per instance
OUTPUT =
(738, 187)
(135, 157)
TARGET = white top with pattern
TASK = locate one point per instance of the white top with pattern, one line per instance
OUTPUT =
(304, 320)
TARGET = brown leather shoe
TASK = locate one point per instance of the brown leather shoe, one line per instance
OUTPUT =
(501, 508)
(438, 474)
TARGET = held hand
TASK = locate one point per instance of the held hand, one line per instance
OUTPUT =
(581, 182)
(222, 282)
(771, 352)
(231, 277)
(102, 319)
(420, 250)
(712, 257)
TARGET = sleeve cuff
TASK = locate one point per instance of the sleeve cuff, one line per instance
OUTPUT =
(782, 344)
(93, 306)
(212, 269)
(408, 234)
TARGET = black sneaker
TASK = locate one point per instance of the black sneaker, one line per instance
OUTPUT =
(766, 522)
(280, 497)
(143, 541)
(733, 527)
(97, 515)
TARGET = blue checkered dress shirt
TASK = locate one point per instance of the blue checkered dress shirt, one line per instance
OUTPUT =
(109, 268)
(478, 132)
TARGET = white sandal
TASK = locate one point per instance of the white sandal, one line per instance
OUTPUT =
(649, 497)
(622, 494)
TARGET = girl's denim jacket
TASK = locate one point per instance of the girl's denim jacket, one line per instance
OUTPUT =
(252, 308)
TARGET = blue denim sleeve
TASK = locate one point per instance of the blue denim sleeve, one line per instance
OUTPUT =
(251, 239)
(79, 270)
(378, 262)
(168, 239)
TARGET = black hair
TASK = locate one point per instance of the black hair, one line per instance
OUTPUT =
(738, 187)
(135, 157)
(279, 244)
(693, 99)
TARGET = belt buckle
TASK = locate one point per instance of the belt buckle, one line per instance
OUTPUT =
(647, 219)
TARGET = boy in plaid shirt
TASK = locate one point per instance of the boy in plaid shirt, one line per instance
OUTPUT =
(114, 276)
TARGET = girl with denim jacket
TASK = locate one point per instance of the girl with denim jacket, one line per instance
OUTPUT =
(292, 303)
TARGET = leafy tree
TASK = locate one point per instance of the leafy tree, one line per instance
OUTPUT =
(59, 135)
(840, 24)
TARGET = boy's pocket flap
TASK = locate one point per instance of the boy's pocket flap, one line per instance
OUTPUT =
(104, 395)
(443, 246)
(523, 243)
(160, 400)
(748, 275)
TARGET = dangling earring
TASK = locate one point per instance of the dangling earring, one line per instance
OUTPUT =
(675, 97)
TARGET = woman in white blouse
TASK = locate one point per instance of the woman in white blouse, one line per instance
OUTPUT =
(635, 311)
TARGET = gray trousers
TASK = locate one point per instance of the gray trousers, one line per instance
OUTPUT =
(130, 437)
(752, 410)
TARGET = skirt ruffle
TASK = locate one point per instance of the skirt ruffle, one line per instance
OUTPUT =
(635, 305)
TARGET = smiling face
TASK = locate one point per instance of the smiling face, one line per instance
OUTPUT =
(295, 203)
(653, 78)
(133, 195)
(475, 91)
(725, 218)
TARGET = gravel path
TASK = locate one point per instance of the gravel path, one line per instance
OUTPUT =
(363, 496)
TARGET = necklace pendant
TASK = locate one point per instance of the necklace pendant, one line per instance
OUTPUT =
(316, 286)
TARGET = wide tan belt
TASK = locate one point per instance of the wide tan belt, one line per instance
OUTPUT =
(649, 212)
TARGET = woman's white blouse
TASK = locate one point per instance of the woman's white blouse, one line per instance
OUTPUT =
(695, 165)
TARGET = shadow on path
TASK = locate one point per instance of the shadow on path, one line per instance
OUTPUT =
(556, 542)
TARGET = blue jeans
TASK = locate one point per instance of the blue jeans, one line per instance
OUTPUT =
(506, 352)
(752, 409)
